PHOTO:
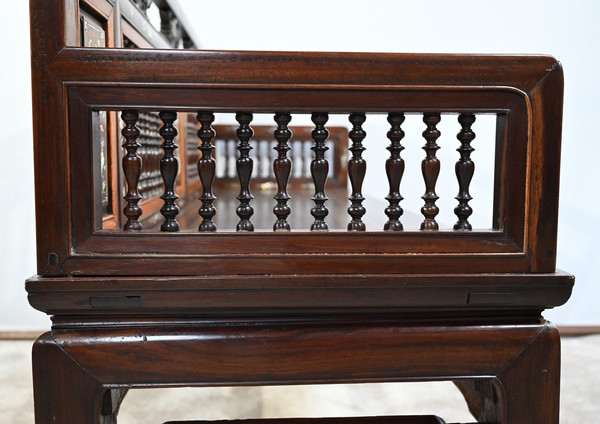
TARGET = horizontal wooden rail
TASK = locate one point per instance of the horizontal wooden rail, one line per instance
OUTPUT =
(85, 65)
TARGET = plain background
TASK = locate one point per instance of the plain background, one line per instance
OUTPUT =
(568, 30)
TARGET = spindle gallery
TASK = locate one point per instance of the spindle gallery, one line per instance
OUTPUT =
(356, 170)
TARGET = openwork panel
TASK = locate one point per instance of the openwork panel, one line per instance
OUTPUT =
(318, 172)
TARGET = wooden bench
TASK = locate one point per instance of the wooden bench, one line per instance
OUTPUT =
(144, 291)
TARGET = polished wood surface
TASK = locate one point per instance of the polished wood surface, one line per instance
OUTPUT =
(357, 168)
(282, 168)
(132, 168)
(244, 165)
(464, 171)
(169, 168)
(521, 360)
(394, 168)
(206, 171)
(170, 293)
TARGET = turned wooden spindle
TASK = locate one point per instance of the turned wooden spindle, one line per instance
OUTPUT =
(430, 166)
(168, 169)
(244, 165)
(465, 169)
(357, 167)
(319, 168)
(132, 168)
(206, 171)
(394, 168)
(282, 167)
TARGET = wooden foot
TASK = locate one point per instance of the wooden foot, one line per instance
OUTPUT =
(529, 386)
(526, 391)
(65, 393)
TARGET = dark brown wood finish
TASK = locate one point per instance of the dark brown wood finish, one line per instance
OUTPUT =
(282, 167)
(394, 168)
(514, 231)
(169, 168)
(464, 171)
(319, 169)
(522, 361)
(357, 168)
(431, 169)
(149, 308)
(244, 166)
(513, 293)
(206, 171)
(132, 168)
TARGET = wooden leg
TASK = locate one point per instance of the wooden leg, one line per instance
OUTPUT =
(529, 386)
(65, 393)
(526, 391)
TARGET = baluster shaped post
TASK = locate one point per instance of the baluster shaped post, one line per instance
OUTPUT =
(244, 165)
(394, 168)
(357, 167)
(282, 167)
(132, 168)
(464, 171)
(206, 171)
(319, 168)
(430, 166)
(168, 169)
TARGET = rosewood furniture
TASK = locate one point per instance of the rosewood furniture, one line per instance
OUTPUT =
(146, 287)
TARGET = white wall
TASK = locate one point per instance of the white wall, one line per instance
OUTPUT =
(17, 219)
(567, 30)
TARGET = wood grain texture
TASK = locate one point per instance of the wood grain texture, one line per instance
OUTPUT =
(415, 295)
(273, 68)
(301, 353)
